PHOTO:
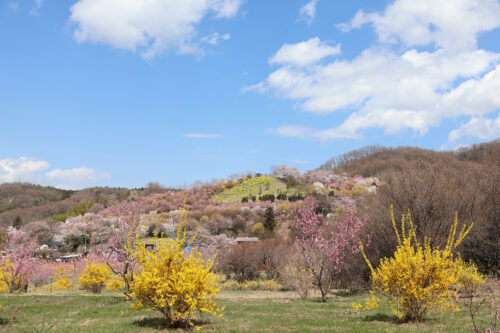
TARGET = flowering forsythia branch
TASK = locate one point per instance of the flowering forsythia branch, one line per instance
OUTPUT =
(419, 278)
(172, 281)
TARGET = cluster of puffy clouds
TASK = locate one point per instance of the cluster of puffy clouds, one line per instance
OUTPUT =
(153, 26)
(424, 68)
(35, 171)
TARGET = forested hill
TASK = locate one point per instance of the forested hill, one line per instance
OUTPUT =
(23, 202)
(379, 161)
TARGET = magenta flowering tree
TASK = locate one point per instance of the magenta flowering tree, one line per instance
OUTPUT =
(326, 246)
(17, 260)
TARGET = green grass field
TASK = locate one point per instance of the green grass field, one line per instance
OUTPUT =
(77, 311)
(256, 186)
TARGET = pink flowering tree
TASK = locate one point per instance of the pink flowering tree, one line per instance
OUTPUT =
(118, 259)
(326, 246)
(17, 259)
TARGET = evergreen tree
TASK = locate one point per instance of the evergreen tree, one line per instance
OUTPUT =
(269, 219)
(17, 222)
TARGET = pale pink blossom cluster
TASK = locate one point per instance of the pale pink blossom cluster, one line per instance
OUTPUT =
(325, 246)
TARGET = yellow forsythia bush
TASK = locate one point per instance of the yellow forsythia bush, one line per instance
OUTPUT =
(173, 282)
(94, 277)
(115, 284)
(62, 284)
(11, 280)
(62, 281)
(3, 285)
(267, 285)
(469, 279)
(419, 278)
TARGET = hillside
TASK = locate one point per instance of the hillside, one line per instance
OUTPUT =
(380, 161)
(434, 186)
(249, 188)
(34, 202)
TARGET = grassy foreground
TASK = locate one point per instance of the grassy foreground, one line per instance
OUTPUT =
(245, 312)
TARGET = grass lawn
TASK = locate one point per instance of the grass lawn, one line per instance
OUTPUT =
(77, 311)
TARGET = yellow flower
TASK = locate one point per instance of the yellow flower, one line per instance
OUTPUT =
(171, 281)
(94, 277)
(418, 278)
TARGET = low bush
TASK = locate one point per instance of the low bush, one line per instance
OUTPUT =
(94, 277)
(175, 283)
(261, 285)
(418, 277)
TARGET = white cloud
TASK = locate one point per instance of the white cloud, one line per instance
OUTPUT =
(308, 12)
(36, 9)
(74, 177)
(20, 169)
(294, 131)
(35, 171)
(202, 136)
(13, 5)
(305, 132)
(482, 128)
(153, 26)
(393, 85)
(304, 53)
(450, 24)
(215, 38)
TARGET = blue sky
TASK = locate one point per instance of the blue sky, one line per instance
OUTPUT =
(120, 93)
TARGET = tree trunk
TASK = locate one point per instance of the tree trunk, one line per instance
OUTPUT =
(323, 295)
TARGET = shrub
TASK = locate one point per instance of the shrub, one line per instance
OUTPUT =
(267, 197)
(296, 277)
(272, 255)
(469, 278)
(281, 196)
(243, 261)
(172, 282)
(266, 285)
(115, 284)
(258, 229)
(94, 277)
(62, 284)
(192, 225)
(4, 287)
(62, 280)
(238, 224)
(418, 277)
(284, 207)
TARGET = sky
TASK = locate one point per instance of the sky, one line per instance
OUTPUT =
(124, 92)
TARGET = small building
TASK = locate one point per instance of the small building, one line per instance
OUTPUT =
(55, 245)
(69, 257)
(241, 240)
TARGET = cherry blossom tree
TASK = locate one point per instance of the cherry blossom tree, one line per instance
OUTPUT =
(17, 259)
(325, 246)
